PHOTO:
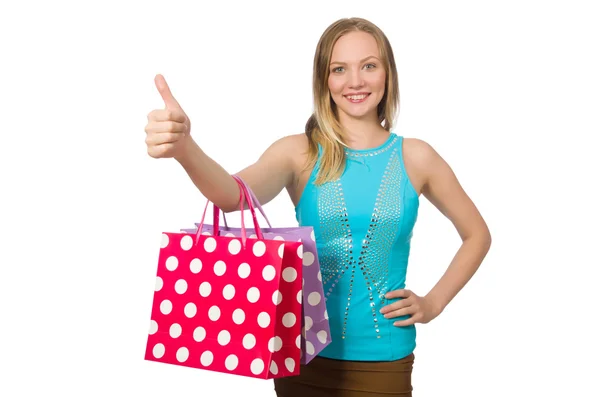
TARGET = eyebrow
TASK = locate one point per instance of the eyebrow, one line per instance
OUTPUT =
(361, 61)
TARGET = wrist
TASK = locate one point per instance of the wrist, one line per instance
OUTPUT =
(188, 151)
(437, 303)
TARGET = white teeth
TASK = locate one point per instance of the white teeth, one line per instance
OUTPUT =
(356, 97)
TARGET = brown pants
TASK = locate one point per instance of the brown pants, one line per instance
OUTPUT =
(324, 377)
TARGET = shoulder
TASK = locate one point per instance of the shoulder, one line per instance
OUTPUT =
(421, 161)
(288, 151)
(418, 153)
(298, 143)
(295, 141)
(294, 150)
(288, 143)
(293, 147)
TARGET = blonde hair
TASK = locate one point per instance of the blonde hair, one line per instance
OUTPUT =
(323, 126)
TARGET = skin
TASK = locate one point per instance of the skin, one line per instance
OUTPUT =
(355, 68)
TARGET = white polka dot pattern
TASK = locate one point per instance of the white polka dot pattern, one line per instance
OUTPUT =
(238, 316)
(159, 350)
(235, 247)
(229, 292)
(199, 334)
(308, 259)
(312, 296)
(223, 306)
(164, 242)
(190, 310)
(274, 368)
(153, 327)
(186, 243)
(231, 362)
(195, 265)
(183, 354)
(175, 331)
(249, 341)
(171, 263)
(257, 366)
(181, 286)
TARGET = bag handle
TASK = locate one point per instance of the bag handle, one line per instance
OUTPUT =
(216, 211)
(245, 190)
(253, 197)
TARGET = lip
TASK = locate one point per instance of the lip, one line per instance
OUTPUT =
(357, 93)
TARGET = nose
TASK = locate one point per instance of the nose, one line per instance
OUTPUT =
(355, 79)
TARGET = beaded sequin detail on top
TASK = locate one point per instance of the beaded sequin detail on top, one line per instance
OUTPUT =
(363, 223)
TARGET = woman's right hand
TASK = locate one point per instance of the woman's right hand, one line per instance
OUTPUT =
(168, 129)
(168, 135)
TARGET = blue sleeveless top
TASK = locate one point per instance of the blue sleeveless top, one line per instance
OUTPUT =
(363, 225)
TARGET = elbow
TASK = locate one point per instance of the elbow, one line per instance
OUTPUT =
(229, 209)
(482, 239)
(487, 244)
(231, 204)
(487, 238)
(485, 241)
(229, 199)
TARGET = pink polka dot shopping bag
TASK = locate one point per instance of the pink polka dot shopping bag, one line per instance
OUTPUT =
(229, 304)
(316, 333)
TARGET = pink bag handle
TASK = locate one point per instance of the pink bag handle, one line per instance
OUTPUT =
(253, 197)
(217, 210)
(245, 189)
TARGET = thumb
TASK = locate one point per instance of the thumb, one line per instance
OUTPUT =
(165, 92)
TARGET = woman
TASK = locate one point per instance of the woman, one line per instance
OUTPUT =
(358, 184)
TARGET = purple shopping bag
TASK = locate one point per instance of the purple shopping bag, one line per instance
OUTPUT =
(316, 334)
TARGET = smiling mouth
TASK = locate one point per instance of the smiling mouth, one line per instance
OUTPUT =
(356, 98)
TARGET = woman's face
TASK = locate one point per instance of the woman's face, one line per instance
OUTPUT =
(357, 76)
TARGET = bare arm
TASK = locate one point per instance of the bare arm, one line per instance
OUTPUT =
(213, 181)
(444, 191)
(267, 177)
(441, 187)
(168, 136)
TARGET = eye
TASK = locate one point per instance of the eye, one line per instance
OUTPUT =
(370, 65)
(339, 69)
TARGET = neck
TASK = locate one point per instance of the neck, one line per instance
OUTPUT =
(363, 133)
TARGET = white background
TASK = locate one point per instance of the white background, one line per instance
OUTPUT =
(507, 92)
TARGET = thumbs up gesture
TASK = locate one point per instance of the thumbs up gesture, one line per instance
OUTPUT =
(168, 129)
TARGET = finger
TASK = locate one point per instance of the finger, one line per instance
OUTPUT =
(162, 138)
(156, 127)
(404, 323)
(401, 312)
(165, 92)
(396, 305)
(158, 151)
(399, 293)
(167, 115)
